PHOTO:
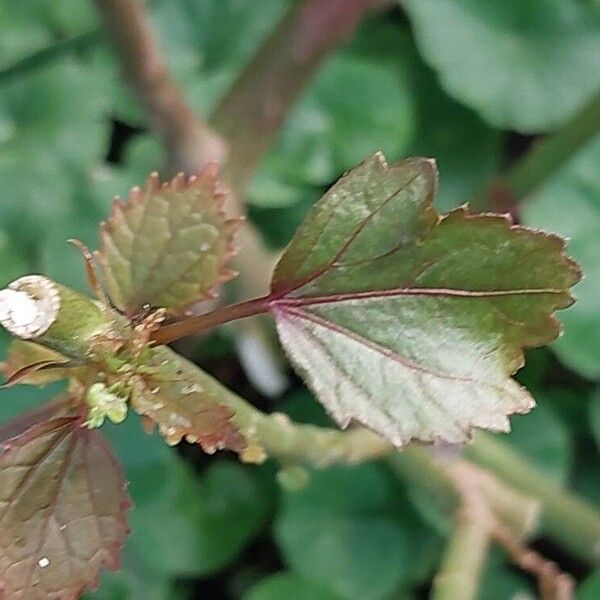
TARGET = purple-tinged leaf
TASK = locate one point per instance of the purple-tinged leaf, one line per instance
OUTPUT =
(62, 511)
(411, 322)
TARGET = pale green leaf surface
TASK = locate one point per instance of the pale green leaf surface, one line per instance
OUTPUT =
(63, 511)
(409, 322)
(523, 64)
(168, 245)
(569, 203)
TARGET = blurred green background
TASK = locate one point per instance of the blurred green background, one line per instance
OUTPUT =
(472, 83)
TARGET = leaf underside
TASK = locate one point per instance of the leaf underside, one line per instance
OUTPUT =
(409, 322)
(62, 511)
(168, 245)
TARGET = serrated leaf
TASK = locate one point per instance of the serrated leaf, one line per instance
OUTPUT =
(168, 245)
(523, 64)
(410, 322)
(569, 203)
(62, 511)
(184, 403)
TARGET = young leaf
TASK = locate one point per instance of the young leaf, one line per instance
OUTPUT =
(168, 245)
(62, 511)
(411, 322)
(182, 403)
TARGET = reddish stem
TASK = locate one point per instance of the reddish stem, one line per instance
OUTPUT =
(170, 333)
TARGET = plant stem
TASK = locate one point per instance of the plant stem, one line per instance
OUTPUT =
(464, 557)
(191, 325)
(564, 518)
(549, 154)
(275, 435)
(255, 107)
(190, 143)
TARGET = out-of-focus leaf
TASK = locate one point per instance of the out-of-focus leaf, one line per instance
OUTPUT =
(168, 245)
(355, 107)
(349, 532)
(290, 586)
(184, 524)
(550, 447)
(207, 43)
(467, 151)
(53, 124)
(501, 583)
(590, 588)
(523, 64)
(569, 203)
(63, 510)
(225, 509)
(594, 409)
(409, 322)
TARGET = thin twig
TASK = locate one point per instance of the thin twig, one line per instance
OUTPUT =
(252, 112)
(552, 582)
(190, 143)
(543, 159)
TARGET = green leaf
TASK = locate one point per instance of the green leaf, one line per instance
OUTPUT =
(207, 43)
(356, 106)
(590, 588)
(409, 322)
(569, 203)
(522, 64)
(594, 415)
(168, 245)
(550, 447)
(290, 586)
(62, 510)
(350, 532)
(466, 150)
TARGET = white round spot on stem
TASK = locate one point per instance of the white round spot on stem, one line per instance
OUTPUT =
(29, 306)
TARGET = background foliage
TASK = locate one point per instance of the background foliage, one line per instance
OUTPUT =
(471, 83)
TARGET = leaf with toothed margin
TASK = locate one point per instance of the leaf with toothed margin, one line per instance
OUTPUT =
(183, 402)
(62, 511)
(411, 322)
(168, 245)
